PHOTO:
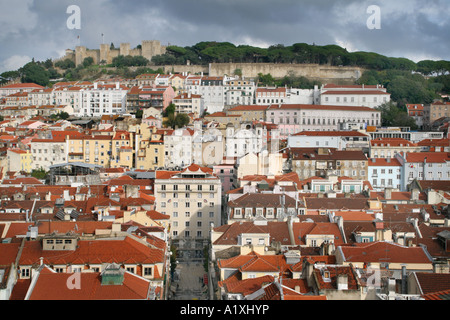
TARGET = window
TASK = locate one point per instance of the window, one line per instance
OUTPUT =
(148, 271)
(25, 273)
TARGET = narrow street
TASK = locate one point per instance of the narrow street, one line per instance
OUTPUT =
(188, 281)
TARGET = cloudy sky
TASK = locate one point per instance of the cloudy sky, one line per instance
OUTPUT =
(415, 29)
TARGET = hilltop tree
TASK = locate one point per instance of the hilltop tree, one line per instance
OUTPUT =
(35, 73)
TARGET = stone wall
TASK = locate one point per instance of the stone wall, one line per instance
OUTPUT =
(148, 50)
(324, 73)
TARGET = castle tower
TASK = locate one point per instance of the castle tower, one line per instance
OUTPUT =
(124, 49)
(151, 48)
(104, 53)
(80, 55)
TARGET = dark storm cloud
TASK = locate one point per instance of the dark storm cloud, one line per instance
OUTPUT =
(409, 28)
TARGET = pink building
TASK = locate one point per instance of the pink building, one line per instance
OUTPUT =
(226, 172)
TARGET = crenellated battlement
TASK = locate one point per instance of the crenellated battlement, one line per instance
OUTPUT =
(148, 49)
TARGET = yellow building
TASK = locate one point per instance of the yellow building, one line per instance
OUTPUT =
(19, 160)
(150, 153)
(92, 149)
(122, 150)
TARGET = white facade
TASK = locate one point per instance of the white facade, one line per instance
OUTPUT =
(69, 96)
(42, 97)
(103, 100)
(178, 148)
(48, 152)
(385, 173)
(192, 199)
(189, 103)
(363, 95)
(245, 140)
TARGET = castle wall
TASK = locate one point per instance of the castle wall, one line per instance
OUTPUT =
(149, 50)
(278, 70)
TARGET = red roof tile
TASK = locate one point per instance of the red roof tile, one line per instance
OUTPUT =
(53, 286)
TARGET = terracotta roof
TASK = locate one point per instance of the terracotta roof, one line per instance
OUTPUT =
(22, 85)
(431, 157)
(321, 107)
(383, 162)
(445, 142)
(384, 252)
(53, 286)
(258, 200)
(334, 272)
(330, 154)
(331, 134)
(433, 282)
(254, 262)
(278, 231)
(248, 108)
(94, 252)
(356, 92)
(392, 142)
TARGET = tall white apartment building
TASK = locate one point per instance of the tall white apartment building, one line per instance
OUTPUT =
(100, 100)
(178, 148)
(356, 95)
(192, 198)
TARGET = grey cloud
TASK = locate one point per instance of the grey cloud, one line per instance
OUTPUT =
(410, 28)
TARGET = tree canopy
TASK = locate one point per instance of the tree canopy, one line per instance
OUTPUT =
(396, 116)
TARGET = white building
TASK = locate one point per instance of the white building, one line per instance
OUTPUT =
(178, 148)
(340, 140)
(239, 91)
(48, 152)
(41, 97)
(101, 100)
(424, 166)
(385, 173)
(68, 95)
(364, 95)
(294, 118)
(189, 103)
(244, 140)
(192, 198)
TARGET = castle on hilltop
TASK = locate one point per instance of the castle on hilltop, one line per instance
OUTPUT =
(148, 49)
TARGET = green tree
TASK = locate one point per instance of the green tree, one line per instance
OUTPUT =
(88, 61)
(65, 64)
(169, 110)
(266, 79)
(177, 121)
(394, 116)
(33, 72)
(139, 114)
(40, 174)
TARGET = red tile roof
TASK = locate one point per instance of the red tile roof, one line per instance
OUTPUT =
(431, 157)
(433, 282)
(384, 252)
(382, 162)
(331, 134)
(392, 142)
(321, 107)
(53, 286)
(356, 92)
(96, 252)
